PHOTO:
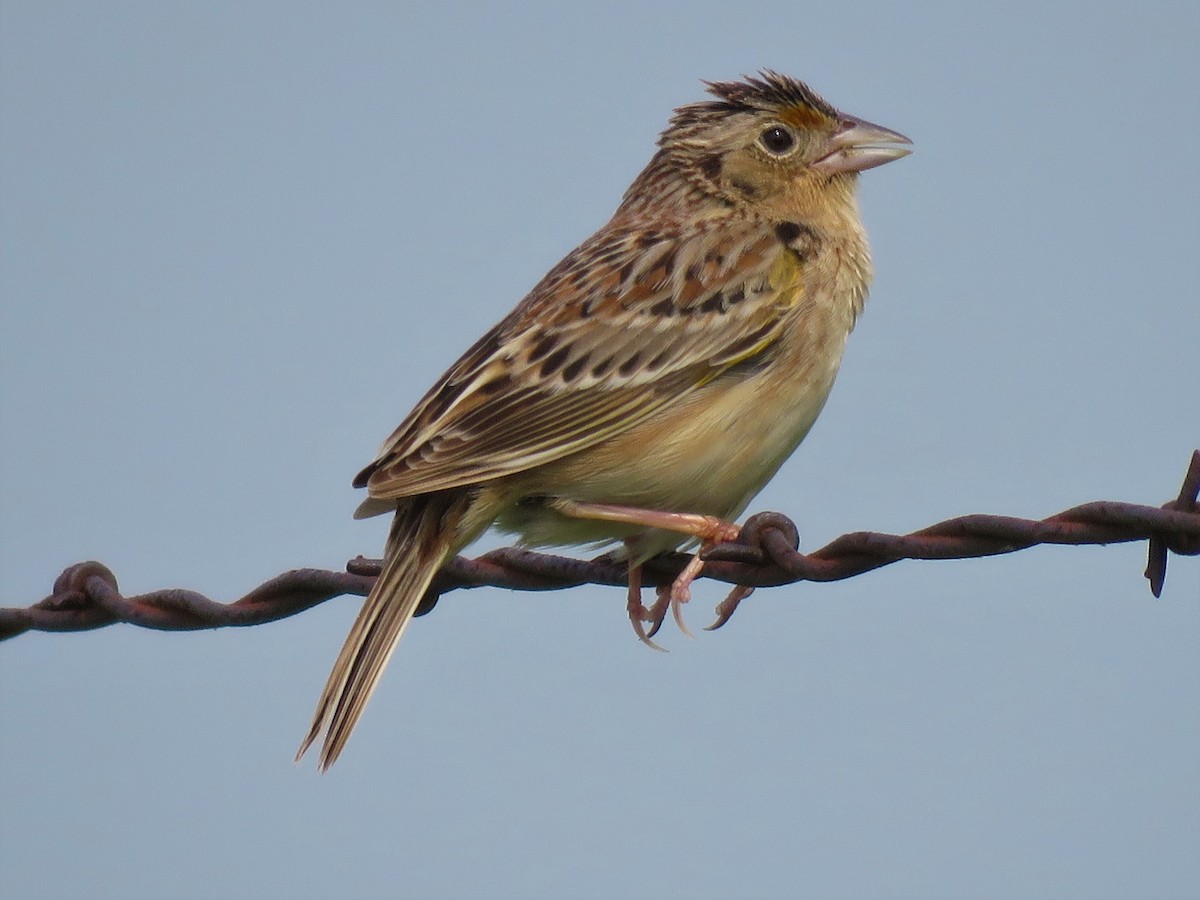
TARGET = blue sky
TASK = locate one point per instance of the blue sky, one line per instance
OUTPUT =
(240, 240)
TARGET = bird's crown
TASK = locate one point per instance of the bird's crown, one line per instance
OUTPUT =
(790, 100)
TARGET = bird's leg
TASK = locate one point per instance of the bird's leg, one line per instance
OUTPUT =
(667, 599)
(709, 529)
(638, 614)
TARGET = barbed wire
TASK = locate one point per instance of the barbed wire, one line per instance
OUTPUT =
(85, 596)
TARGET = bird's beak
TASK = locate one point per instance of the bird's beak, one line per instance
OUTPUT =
(859, 145)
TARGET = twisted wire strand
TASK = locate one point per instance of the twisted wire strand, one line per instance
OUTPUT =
(85, 596)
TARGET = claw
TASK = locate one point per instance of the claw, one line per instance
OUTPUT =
(727, 607)
(681, 591)
(638, 614)
(677, 612)
(658, 612)
(640, 630)
(709, 529)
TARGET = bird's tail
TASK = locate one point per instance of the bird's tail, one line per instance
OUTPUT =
(420, 540)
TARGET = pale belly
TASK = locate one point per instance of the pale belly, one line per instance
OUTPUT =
(710, 454)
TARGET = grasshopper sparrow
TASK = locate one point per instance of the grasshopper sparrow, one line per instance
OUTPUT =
(654, 380)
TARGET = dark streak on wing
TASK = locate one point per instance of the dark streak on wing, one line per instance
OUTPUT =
(547, 381)
(553, 424)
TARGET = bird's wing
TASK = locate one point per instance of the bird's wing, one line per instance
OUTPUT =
(627, 324)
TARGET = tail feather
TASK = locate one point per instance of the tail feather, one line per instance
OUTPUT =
(420, 540)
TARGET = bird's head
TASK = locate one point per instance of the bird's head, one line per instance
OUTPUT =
(764, 142)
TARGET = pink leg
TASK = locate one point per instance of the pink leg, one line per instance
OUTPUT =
(709, 529)
(638, 614)
(681, 591)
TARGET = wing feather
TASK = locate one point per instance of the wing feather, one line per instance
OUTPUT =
(627, 324)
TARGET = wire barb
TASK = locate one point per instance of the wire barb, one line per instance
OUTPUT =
(85, 596)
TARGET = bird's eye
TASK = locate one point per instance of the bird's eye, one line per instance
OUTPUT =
(777, 140)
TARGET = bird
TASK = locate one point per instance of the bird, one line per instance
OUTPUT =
(651, 384)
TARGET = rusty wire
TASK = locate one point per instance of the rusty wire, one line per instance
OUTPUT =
(85, 595)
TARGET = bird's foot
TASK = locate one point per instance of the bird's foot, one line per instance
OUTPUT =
(729, 605)
(710, 530)
(639, 616)
(680, 592)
